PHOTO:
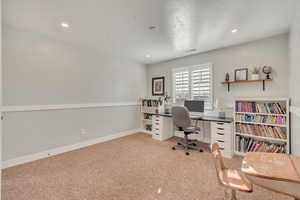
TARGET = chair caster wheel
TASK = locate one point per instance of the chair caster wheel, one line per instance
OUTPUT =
(173, 148)
(200, 150)
(187, 153)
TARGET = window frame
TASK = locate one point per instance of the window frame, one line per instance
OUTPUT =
(190, 69)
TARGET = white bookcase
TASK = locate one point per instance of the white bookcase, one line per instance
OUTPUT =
(149, 107)
(261, 124)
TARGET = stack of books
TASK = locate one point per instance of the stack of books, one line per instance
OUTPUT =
(253, 107)
(281, 120)
(244, 145)
(261, 130)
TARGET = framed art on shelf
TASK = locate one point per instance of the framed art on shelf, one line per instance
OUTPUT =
(241, 74)
(158, 86)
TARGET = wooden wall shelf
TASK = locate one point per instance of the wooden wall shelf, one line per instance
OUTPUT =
(246, 81)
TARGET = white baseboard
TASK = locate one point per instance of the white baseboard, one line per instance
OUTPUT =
(59, 150)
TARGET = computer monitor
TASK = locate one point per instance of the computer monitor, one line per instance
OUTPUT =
(194, 106)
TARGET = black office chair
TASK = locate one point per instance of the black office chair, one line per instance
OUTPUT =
(182, 120)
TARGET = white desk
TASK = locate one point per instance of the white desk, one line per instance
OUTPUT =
(221, 130)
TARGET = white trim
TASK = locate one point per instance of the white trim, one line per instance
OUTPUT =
(63, 106)
(59, 150)
(261, 98)
(295, 110)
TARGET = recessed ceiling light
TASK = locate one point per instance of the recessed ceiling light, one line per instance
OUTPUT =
(148, 56)
(65, 25)
(152, 27)
(234, 30)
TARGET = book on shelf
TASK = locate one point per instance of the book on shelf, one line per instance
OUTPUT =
(151, 102)
(281, 120)
(147, 116)
(261, 130)
(244, 144)
(148, 127)
(151, 106)
(254, 107)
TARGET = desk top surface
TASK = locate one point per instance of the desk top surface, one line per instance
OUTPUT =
(275, 166)
(203, 118)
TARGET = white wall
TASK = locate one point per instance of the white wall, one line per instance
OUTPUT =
(294, 81)
(271, 51)
(38, 70)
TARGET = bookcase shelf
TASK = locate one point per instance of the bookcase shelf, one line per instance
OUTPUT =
(266, 124)
(263, 138)
(260, 124)
(149, 107)
(228, 83)
(252, 113)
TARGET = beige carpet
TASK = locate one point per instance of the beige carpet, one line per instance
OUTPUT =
(135, 167)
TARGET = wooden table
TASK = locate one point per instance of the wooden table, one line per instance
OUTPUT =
(276, 172)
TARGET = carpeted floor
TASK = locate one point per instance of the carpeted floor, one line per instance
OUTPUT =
(135, 167)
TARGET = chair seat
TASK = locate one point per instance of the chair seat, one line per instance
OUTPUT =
(235, 180)
(191, 129)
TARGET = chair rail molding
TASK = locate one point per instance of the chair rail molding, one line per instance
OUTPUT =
(27, 108)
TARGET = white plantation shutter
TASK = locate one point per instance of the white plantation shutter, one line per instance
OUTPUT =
(181, 84)
(201, 88)
(194, 83)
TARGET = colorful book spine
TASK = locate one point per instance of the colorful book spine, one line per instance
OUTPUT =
(244, 144)
(253, 107)
(261, 130)
(268, 119)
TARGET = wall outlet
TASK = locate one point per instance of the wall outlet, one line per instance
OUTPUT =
(83, 131)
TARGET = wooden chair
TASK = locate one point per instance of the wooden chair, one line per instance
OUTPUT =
(233, 180)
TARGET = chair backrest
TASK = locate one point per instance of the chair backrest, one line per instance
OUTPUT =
(181, 117)
(219, 163)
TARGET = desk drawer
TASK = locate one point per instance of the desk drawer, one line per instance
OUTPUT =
(221, 125)
(156, 129)
(156, 121)
(156, 133)
(220, 135)
(221, 144)
(156, 118)
(156, 124)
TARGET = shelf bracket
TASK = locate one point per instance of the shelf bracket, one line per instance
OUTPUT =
(264, 87)
(228, 87)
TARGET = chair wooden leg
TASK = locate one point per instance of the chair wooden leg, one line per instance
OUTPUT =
(233, 195)
(227, 194)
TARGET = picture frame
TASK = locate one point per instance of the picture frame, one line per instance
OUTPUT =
(158, 86)
(241, 74)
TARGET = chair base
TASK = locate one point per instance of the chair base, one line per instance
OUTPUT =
(187, 146)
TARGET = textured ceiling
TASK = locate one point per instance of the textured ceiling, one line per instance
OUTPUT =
(121, 27)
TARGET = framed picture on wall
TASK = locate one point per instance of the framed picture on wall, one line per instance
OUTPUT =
(241, 74)
(158, 86)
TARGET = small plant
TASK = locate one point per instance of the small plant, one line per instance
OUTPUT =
(167, 98)
(256, 70)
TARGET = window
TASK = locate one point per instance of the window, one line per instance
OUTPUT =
(193, 83)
